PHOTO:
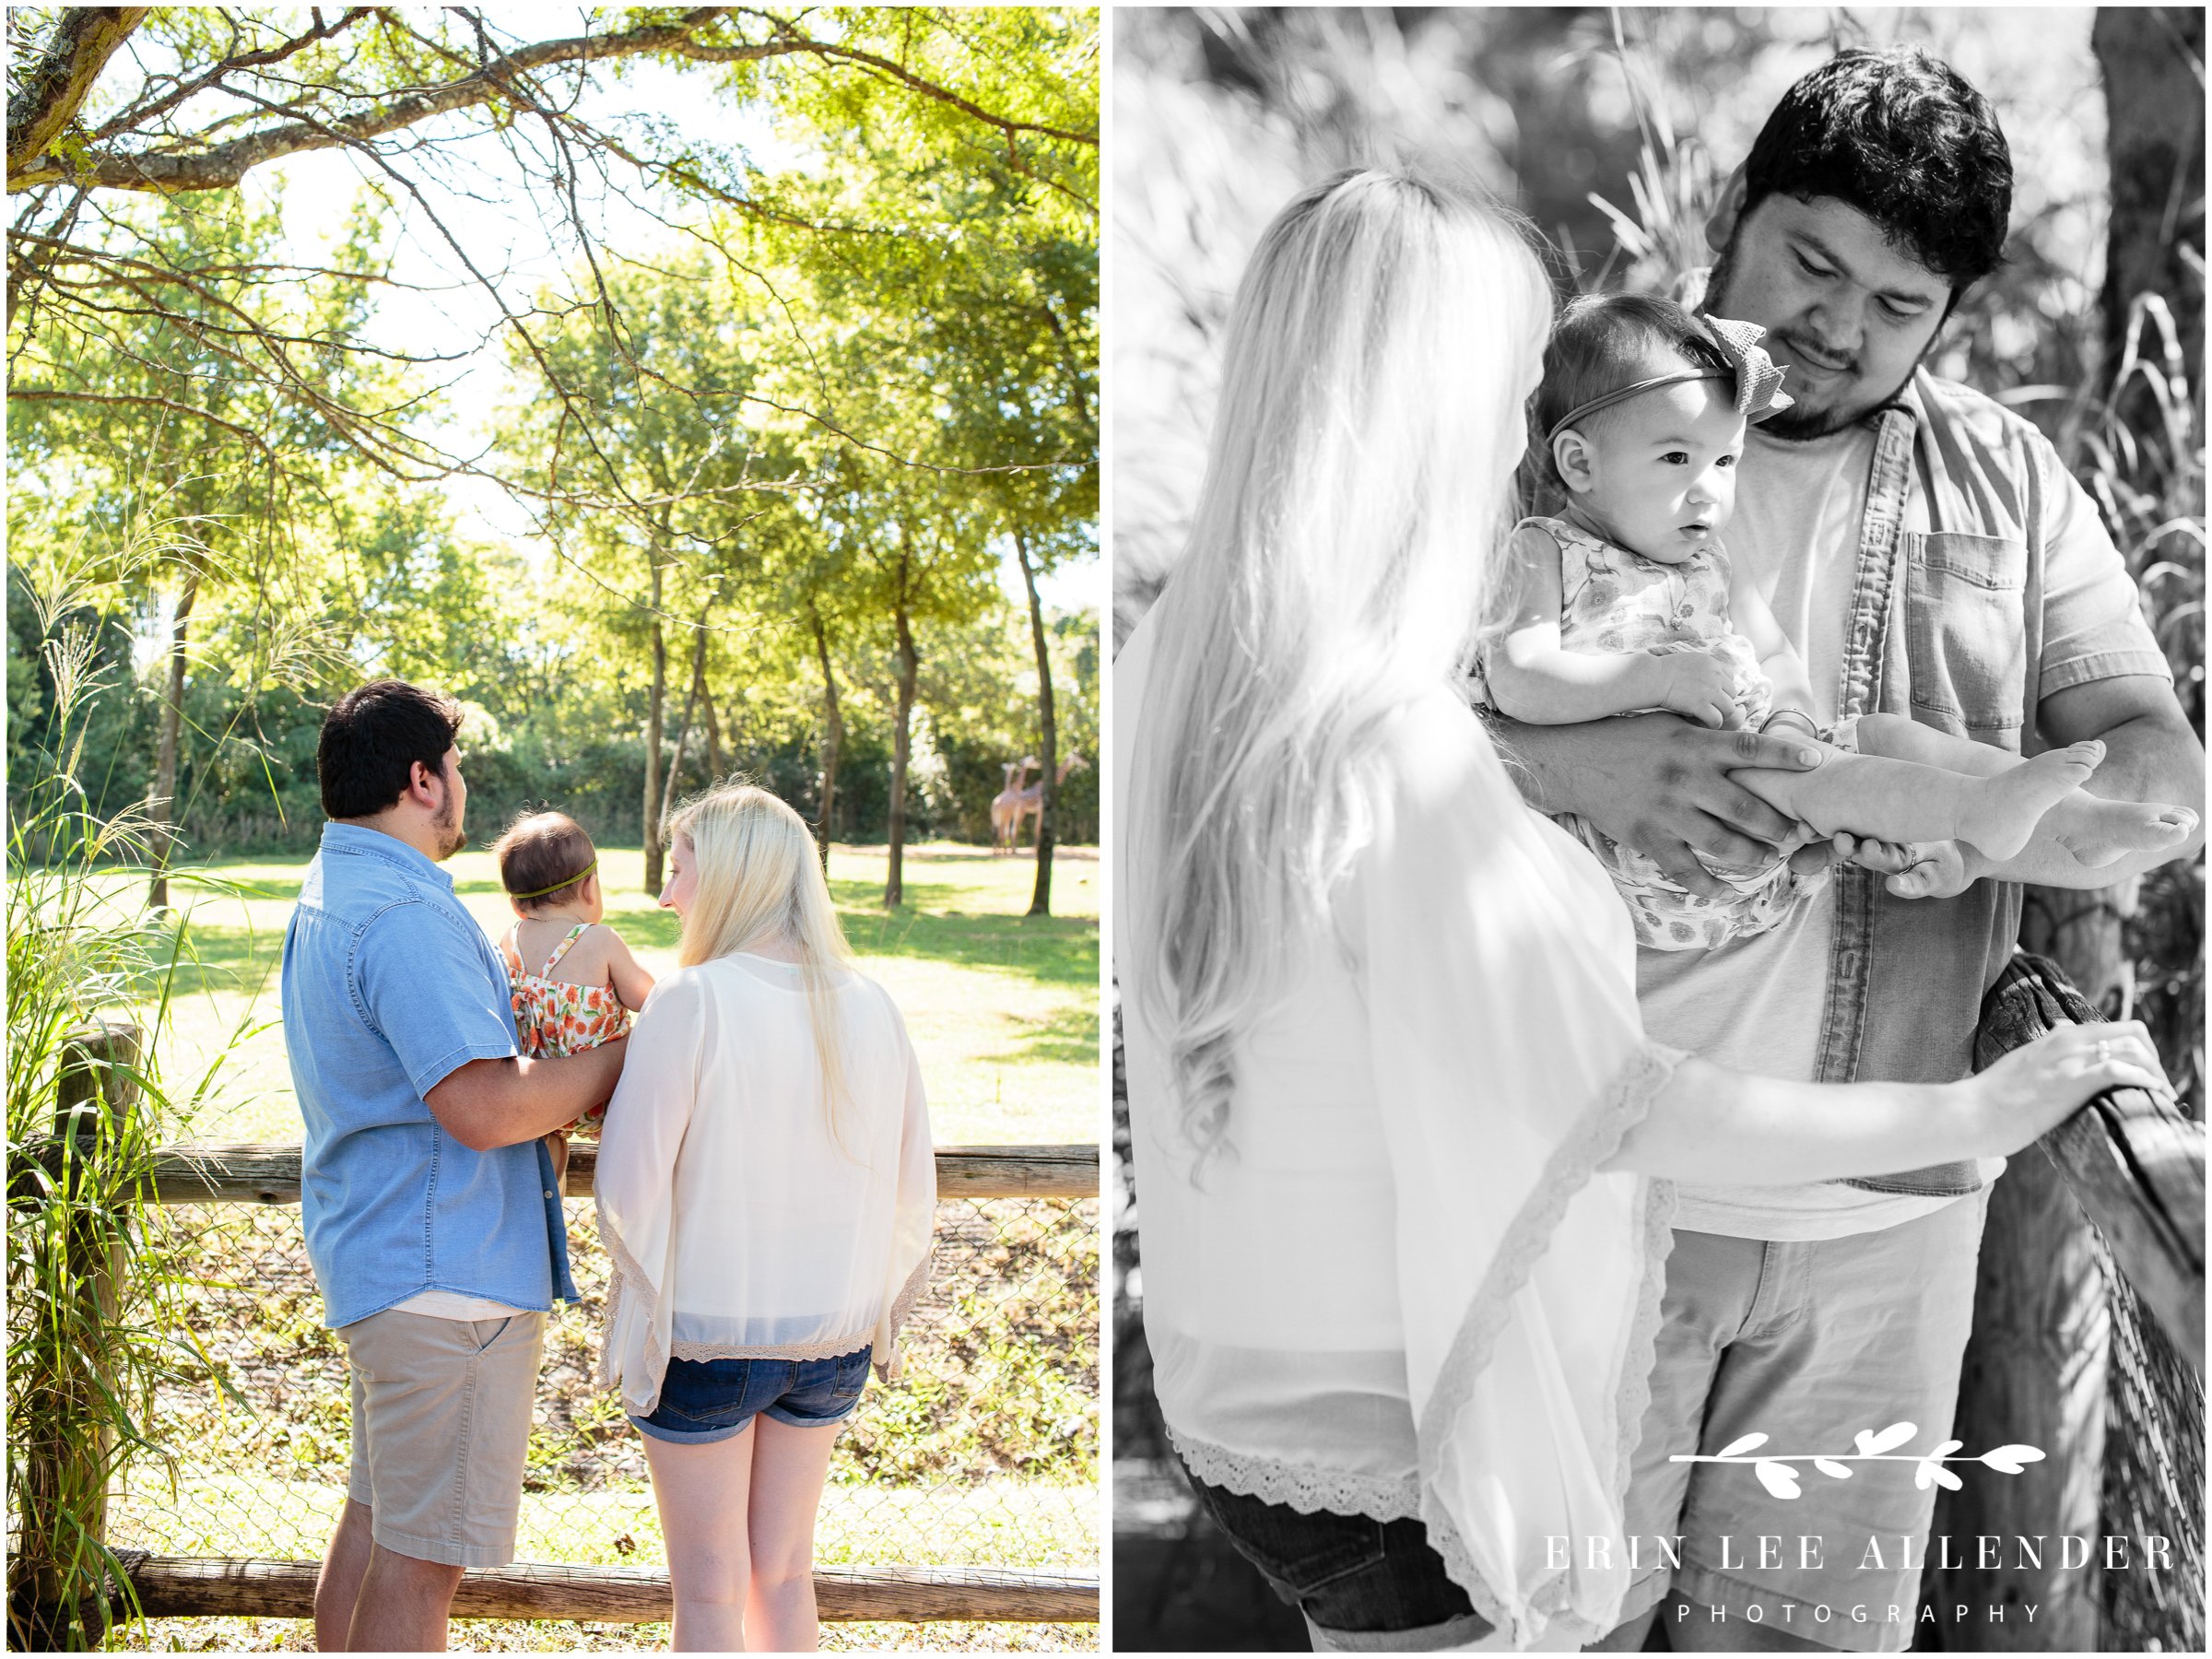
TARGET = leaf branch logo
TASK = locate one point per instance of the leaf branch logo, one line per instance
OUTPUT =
(1775, 1474)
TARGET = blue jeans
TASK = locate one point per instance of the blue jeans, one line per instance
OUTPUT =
(704, 1400)
(1364, 1585)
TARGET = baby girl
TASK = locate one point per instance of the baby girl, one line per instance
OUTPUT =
(1628, 604)
(590, 983)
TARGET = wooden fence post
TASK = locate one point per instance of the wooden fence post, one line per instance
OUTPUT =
(98, 1092)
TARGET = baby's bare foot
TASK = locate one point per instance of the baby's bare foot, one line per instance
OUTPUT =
(2102, 832)
(2003, 811)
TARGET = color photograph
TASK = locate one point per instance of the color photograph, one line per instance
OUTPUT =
(554, 695)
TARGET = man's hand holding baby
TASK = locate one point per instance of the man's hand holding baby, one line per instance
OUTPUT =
(1663, 785)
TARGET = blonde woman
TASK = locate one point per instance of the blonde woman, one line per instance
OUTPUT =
(1403, 1153)
(765, 1188)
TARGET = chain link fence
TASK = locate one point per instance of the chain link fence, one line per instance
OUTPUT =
(2154, 1480)
(983, 1455)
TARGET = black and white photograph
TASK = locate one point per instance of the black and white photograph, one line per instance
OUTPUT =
(1654, 848)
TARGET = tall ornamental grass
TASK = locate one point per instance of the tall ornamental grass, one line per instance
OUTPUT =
(94, 1306)
(2137, 445)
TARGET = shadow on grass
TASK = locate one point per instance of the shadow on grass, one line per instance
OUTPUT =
(1051, 951)
(1069, 1038)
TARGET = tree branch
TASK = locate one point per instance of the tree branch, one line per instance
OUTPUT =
(137, 115)
(904, 76)
(56, 87)
(44, 395)
(221, 166)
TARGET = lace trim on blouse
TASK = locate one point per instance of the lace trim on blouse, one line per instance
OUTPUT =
(630, 1280)
(1301, 1486)
(1380, 1498)
(829, 1348)
(1625, 1102)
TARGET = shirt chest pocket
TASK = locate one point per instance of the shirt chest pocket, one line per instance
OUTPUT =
(1966, 635)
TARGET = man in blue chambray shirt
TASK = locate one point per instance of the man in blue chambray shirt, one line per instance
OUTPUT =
(432, 1218)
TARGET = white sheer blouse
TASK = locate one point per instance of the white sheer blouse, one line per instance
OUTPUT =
(738, 1226)
(1407, 1290)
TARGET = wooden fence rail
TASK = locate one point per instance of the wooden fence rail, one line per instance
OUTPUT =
(2135, 1167)
(259, 1173)
(262, 1173)
(256, 1173)
(191, 1587)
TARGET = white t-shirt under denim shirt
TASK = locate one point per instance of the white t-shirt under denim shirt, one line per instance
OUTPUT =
(1756, 1004)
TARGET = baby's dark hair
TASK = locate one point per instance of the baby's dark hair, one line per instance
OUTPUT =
(1601, 343)
(545, 855)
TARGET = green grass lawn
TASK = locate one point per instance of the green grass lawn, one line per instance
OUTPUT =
(1003, 1007)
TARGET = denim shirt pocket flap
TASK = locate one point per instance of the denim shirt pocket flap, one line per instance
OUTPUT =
(1966, 632)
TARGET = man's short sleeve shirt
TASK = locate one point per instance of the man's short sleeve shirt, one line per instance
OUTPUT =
(389, 986)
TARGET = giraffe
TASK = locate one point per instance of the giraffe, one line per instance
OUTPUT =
(1030, 800)
(1005, 805)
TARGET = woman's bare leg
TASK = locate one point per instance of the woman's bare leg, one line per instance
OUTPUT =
(789, 1466)
(703, 1491)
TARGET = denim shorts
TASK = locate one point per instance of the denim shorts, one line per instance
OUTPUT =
(704, 1400)
(1364, 1585)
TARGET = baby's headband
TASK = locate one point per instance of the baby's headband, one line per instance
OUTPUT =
(1759, 391)
(564, 881)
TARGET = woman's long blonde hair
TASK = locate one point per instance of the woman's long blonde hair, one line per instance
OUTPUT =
(1340, 558)
(757, 877)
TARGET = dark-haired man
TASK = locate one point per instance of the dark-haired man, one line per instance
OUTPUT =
(1927, 555)
(432, 1220)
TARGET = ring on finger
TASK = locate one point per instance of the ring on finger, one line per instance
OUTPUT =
(2104, 1050)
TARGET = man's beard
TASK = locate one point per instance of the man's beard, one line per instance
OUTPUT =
(1796, 424)
(446, 826)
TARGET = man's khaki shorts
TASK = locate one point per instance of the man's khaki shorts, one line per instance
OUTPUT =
(1809, 1344)
(441, 1424)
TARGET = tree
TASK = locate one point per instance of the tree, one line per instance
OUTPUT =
(165, 416)
(1040, 896)
(927, 560)
(948, 153)
(994, 334)
(664, 424)
(2152, 59)
(171, 103)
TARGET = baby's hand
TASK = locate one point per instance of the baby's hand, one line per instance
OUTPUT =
(1702, 688)
(1915, 869)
